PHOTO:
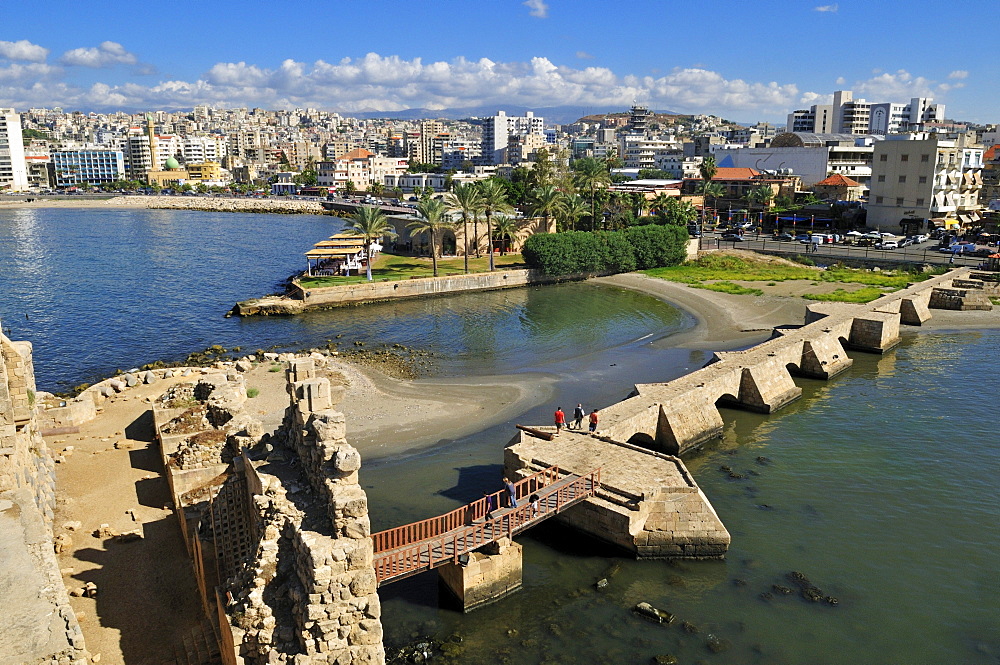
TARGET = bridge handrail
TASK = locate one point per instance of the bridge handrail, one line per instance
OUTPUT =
(432, 552)
(401, 536)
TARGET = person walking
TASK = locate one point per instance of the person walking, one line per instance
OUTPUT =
(511, 492)
(491, 504)
(560, 420)
(578, 414)
(593, 421)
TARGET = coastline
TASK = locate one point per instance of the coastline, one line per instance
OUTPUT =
(200, 203)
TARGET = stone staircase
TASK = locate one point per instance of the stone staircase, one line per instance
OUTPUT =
(199, 647)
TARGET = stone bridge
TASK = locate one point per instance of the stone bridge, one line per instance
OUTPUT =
(652, 506)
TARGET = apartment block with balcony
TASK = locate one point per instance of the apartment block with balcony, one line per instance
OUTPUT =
(926, 177)
(13, 171)
(87, 166)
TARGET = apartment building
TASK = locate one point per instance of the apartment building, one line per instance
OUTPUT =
(13, 171)
(927, 177)
(498, 129)
(198, 149)
(847, 115)
(92, 166)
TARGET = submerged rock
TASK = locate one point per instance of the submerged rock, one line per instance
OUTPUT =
(647, 611)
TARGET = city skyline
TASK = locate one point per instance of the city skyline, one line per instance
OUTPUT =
(754, 62)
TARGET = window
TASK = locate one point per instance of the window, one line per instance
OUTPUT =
(920, 202)
(902, 179)
(899, 200)
(881, 178)
(904, 158)
(925, 158)
(923, 180)
(883, 158)
(878, 199)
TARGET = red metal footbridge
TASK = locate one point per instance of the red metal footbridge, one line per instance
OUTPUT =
(414, 548)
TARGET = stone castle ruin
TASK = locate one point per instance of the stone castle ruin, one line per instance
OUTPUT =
(39, 624)
(277, 525)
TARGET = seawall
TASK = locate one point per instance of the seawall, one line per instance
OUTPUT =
(213, 204)
(301, 299)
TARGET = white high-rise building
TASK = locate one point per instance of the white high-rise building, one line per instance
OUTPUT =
(847, 115)
(13, 171)
(498, 128)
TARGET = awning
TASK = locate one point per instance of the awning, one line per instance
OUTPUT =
(330, 253)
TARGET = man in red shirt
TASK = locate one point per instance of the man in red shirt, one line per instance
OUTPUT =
(593, 420)
(560, 420)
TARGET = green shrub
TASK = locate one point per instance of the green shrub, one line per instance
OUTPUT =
(252, 392)
(865, 294)
(572, 252)
(275, 368)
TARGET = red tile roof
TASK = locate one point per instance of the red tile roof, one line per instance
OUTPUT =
(735, 173)
(837, 180)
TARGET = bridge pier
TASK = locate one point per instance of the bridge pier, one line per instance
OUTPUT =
(491, 573)
(764, 388)
(823, 358)
(874, 332)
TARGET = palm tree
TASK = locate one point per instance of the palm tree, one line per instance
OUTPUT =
(464, 198)
(494, 197)
(545, 201)
(707, 169)
(349, 187)
(762, 195)
(660, 204)
(572, 208)
(589, 173)
(506, 228)
(376, 189)
(370, 222)
(710, 190)
(434, 218)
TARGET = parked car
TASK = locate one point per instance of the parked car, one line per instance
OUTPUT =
(784, 237)
(919, 239)
(804, 237)
(888, 244)
(732, 237)
(906, 242)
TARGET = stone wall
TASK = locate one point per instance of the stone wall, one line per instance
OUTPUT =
(39, 625)
(281, 537)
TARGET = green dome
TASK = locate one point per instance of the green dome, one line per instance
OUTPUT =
(171, 164)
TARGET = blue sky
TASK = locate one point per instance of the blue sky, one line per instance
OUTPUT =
(745, 61)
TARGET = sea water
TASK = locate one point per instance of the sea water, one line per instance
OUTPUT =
(877, 486)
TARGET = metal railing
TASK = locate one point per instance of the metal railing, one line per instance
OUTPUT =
(412, 548)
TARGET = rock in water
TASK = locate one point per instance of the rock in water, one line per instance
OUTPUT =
(649, 612)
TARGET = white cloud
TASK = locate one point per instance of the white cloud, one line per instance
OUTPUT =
(538, 8)
(841, 80)
(583, 55)
(959, 74)
(898, 86)
(390, 83)
(827, 8)
(23, 50)
(105, 55)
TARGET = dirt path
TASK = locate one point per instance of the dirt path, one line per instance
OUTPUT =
(146, 597)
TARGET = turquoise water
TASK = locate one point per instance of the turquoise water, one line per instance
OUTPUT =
(98, 290)
(878, 486)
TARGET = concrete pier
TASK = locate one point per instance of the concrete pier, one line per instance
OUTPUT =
(490, 574)
(648, 502)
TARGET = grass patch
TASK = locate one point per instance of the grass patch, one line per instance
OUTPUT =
(862, 295)
(252, 392)
(728, 287)
(275, 368)
(727, 268)
(392, 267)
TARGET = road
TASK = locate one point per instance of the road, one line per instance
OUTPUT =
(926, 252)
